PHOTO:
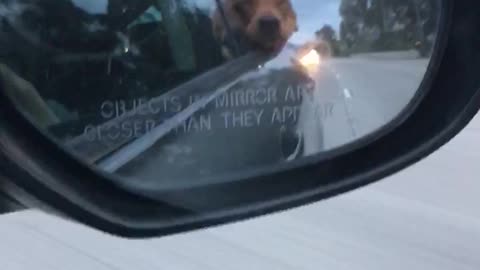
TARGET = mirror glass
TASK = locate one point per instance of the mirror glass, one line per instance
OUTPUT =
(173, 93)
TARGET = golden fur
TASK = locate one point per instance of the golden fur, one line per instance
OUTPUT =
(245, 15)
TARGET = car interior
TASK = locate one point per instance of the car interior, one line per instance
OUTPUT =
(162, 55)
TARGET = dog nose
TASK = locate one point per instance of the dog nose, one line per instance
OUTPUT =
(269, 25)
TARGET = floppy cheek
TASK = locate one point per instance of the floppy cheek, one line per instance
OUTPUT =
(289, 27)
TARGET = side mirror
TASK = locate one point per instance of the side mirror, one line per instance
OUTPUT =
(125, 141)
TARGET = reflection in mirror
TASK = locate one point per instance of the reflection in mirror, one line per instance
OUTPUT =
(166, 93)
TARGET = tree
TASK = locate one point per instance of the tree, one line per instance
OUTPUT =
(326, 33)
(388, 24)
(353, 13)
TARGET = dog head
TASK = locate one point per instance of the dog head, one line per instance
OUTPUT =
(268, 24)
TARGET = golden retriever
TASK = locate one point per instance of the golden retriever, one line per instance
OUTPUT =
(266, 24)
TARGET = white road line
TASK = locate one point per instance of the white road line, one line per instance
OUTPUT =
(347, 93)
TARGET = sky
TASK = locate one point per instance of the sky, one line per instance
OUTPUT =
(312, 14)
(92, 6)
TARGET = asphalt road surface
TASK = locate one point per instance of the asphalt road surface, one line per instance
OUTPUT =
(364, 95)
(424, 218)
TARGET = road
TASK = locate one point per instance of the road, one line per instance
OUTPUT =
(423, 218)
(365, 94)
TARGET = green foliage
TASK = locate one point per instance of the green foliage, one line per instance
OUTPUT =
(384, 25)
